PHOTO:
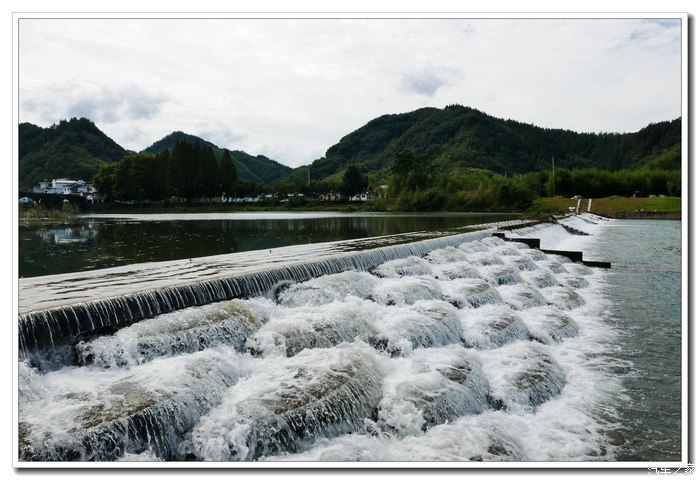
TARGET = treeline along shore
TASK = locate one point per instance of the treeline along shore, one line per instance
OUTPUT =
(451, 159)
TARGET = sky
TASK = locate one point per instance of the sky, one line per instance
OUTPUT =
(291, 88)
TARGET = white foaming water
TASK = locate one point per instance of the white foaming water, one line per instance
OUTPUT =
(522, 375)
(584, 222)
(553, 235)
(540, 278)
(479, 259)
(446, 255)
(522, 296)
(549, 324)
(490, 351)
(568, 426)
(455, 270)
(573, 281)
(90, 413)
(402, 267)
(406, 291)
(500, 274)
(284, 404)
(319, 291)
(466, 292)
(492, 326)
(563, 298)
(291, 330)
(188, 330)
(432, 387)
(425, 324)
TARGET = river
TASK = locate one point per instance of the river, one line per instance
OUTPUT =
(469, 350)
(107, 240)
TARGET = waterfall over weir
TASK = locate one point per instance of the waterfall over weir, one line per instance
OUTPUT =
(461, 348)
(44, 334)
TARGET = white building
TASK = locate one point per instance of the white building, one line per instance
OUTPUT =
(360, 197)
(65, 186)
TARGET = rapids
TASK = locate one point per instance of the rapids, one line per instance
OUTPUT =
(467, 348)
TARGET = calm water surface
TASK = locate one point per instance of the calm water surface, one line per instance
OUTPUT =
(646, 300)
(101, 241)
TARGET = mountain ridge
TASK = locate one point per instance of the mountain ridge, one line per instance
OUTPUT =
(456, 137)
(468, 138)
(77, 148)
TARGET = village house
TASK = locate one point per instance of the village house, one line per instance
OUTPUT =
(360, 197)
(65, 186)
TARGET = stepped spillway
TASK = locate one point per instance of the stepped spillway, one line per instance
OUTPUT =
(462, 348)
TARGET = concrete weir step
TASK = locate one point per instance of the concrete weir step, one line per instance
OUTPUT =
(573, 255)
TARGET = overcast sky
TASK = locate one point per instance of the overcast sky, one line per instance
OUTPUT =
(289, 89)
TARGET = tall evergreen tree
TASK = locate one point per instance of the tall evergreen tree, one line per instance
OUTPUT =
(160, 169)
(227, 174)
(209, 168)
(177, 171)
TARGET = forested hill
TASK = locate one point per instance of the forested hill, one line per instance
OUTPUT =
(73, 148)
(249, 168)
(463, 138)
(77, 149)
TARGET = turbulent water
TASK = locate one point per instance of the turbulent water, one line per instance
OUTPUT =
(485, 351)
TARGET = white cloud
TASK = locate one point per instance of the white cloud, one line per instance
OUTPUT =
(290, 89)
(100, 103)
(219, 134)
(428, 80)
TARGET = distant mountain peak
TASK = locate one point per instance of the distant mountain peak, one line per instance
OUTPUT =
(250, 168)
(77, 148)
(74, 148)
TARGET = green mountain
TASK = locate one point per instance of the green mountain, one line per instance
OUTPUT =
(73, 148)
(249, 168)
(461, 138)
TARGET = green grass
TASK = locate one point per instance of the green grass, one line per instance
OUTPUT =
(622, 204)
(44, 215)
(614, 205)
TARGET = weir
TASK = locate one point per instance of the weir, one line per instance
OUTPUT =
(53, 328)
(453, 344)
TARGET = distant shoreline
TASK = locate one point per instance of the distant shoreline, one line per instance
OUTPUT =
(664, 208)
(641, 215)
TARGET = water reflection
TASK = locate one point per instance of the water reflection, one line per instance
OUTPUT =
(106, 242)
(72, 234)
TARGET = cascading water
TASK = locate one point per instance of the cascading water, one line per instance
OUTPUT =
(467, 348)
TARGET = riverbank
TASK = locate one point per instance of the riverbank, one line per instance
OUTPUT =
(612, 207)
(33, 216)
(657, 208)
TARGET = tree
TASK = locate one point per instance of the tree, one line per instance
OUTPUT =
(353, 181)
(104, 180)
(412, 172)
(227, 174)
(160, 169)
(209, 169)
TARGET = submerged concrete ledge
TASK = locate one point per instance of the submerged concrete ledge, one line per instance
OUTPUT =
(575, 256)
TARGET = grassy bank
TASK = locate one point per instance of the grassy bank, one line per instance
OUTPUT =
(618, 207)
(48, 216)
